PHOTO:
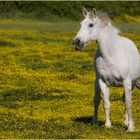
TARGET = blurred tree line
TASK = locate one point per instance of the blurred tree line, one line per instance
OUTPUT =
(65, 9)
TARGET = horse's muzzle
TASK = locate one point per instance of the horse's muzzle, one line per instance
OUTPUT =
(78, 44)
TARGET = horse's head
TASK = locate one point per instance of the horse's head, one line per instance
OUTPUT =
(88, 29)
(91, 26)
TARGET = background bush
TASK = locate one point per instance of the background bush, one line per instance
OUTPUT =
(65, 9)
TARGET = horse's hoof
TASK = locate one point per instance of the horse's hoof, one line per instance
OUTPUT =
(108, 124)
(131, 129)
(126, 122)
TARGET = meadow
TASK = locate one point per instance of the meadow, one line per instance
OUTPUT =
(46, 87)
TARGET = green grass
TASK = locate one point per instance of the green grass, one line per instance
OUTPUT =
(46, 87)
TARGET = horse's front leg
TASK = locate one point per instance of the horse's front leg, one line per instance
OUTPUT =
(97, 98)
(105, 91)
(128, 104)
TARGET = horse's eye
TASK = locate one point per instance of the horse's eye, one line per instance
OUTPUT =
(91, 25)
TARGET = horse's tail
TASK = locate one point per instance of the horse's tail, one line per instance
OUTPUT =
(138, 84)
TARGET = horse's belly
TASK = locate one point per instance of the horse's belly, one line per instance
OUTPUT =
(111, 78)
(112, 81)
(108, 73)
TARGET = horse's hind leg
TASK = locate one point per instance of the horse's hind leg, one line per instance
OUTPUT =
(128, 105)
(105, 91)
(126, 114)
(97, 98)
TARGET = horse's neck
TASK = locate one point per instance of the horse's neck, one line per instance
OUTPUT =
(105, 43)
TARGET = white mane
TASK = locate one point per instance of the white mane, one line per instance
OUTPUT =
(116, 30)
(105, 19)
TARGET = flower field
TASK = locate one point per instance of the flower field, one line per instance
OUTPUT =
(46, 87)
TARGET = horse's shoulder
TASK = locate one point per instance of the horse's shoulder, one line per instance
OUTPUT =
(99, 59)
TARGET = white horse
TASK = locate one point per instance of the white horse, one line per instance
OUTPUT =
(117, 61)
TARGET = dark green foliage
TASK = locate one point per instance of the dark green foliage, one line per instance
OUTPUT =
(8, 9)
(65, 9)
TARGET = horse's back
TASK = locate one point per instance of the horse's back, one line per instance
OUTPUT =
(132, 55)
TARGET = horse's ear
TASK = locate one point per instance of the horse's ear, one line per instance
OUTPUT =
(95, 11)
(85, 12)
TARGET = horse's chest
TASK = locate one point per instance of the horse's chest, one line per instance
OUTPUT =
(108, 72)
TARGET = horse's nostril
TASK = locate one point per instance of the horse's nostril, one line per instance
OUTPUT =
(73, 42)
(77, 40)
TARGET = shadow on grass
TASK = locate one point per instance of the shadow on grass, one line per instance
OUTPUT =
(10, 105)
(5, 43)
(88, 120)
(32, 94)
